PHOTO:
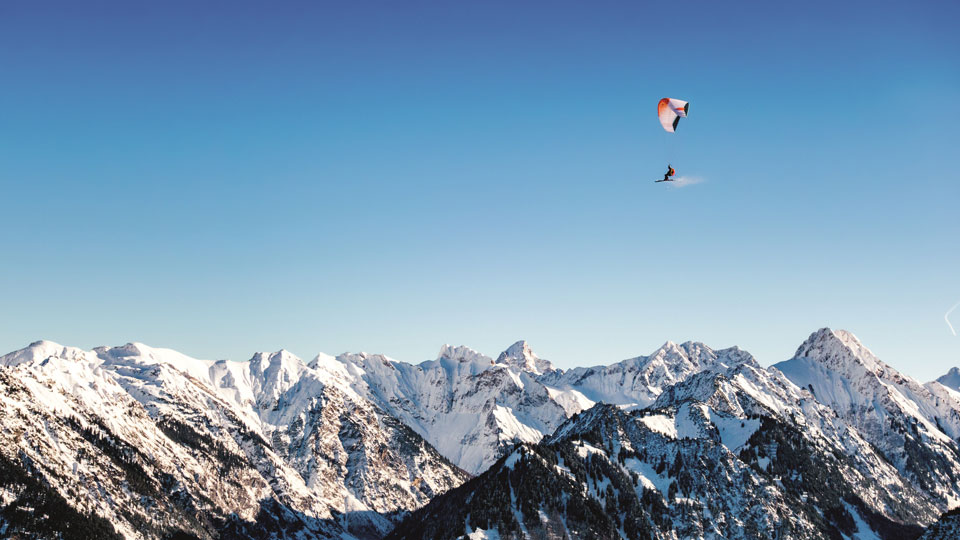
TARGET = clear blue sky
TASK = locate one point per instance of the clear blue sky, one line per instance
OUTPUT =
(391, 176)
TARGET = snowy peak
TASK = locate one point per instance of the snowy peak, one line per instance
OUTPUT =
(914, 426)
(838, 350)
(463, 354)
(636, 382)
(705, 356)
(521, 356)
(138, 354)
(376, 363)
(274, 373)
(689, 356)
(951, 380)
(673, 362)
(39, 351)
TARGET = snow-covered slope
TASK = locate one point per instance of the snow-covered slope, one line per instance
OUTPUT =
(467, 405)
(341, 443)
(689, 472)
(914, 426)
(729, 450)
(156, 442)
(472, 408)
(638, 381)
(951, 379)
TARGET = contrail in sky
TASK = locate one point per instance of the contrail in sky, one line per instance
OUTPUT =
(946, 317)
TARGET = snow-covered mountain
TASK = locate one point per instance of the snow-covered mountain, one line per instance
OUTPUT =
(468, 406)
(473, 409)
(736, 451)
(914, 426)
(141, 442)
(951, 379)
(158, 443)
(637, 382)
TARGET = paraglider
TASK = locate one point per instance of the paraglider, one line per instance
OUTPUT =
(670, 111)
(668, 176)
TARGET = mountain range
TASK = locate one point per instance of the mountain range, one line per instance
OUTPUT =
(687, 442)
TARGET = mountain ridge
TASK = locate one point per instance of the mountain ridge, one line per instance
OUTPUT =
(348, 446)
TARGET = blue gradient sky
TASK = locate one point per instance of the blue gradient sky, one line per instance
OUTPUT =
(391, 176)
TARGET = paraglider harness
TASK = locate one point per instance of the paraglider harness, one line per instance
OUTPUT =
(667, 175)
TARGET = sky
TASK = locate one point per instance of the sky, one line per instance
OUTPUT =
(388, 177)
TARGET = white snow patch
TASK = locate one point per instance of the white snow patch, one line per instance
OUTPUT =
(585, 449)
(689, 423)
(864, 532)
(661, 424)
(735, 432)
(572, 401)
(512, 460)
(481, 534)
(648, 476)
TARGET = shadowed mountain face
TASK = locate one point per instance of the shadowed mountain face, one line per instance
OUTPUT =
(738, 452)
(945, 528)
(138, 442)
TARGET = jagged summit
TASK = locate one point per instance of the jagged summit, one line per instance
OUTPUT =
(522, 357)
(838, 348)
(915, 426)
(463, 354)
(282, 356)
(951, 379)
(693, 356)
(636, 382)
(273, 374)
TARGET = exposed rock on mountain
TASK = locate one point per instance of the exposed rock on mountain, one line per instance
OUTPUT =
(155, 443)
(734, 452)
(915, 427)
(140, 442)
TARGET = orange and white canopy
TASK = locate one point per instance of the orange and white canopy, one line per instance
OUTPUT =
(671, 111)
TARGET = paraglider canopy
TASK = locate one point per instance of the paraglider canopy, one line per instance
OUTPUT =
(671, 111)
